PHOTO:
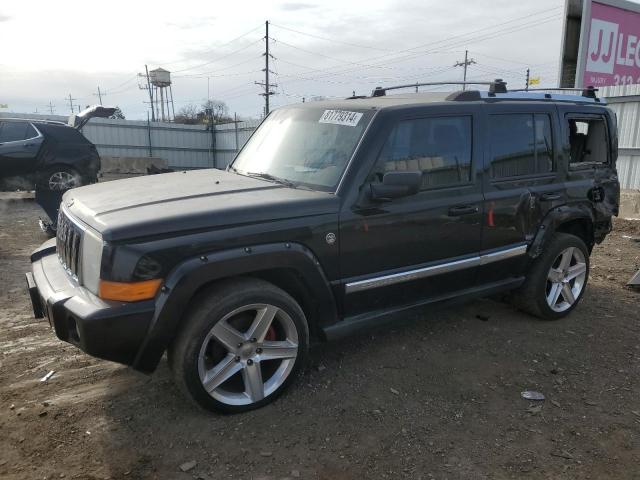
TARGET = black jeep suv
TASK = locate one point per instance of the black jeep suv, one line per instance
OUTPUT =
(333, 217)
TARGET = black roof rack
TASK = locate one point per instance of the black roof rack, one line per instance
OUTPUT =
(587, 92)
(498, 91)
(496, 86)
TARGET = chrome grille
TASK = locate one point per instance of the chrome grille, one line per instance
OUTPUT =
(68, 241)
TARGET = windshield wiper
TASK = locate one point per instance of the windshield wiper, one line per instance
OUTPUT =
(273, 178)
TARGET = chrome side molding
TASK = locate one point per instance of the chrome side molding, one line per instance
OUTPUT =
(447, 267)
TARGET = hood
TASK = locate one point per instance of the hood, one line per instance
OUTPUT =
(188, 201)
(79, 120)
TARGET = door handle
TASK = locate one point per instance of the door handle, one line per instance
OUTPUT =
(462, 210)
(27, 145)
(550, 196)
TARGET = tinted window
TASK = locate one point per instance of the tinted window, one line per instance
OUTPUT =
(14, 131)
(521, 145)
(588, 141)
(440, 147)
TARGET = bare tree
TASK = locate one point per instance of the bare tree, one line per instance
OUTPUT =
(193, 115)
(219, 110)
(189, 114)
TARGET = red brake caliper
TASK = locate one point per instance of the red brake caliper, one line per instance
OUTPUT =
(271, 334)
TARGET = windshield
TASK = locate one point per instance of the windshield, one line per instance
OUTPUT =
(303, 146)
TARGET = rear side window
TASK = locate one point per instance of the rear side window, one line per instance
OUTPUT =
(588, 141)
(16, 131)
(439, 147)
(521, 145)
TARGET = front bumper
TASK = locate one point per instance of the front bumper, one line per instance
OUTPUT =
(104, 329)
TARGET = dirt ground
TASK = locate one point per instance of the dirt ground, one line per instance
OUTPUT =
(435, 397)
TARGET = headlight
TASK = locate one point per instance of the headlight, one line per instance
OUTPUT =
(91, 260)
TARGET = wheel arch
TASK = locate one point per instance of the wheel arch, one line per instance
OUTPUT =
(290, 266)
(576, 220)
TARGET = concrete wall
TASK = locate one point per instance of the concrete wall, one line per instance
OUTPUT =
(630, 204)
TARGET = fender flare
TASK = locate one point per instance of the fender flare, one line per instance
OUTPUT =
(190, 275)
(553, 220)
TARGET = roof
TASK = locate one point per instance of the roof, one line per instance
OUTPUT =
(421, 98)
(380, 102)
(32, 120)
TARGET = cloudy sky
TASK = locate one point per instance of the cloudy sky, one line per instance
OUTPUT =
(329, 48)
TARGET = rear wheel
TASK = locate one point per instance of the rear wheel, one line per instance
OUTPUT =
(60, 178)
(241, 346)
(557, 278)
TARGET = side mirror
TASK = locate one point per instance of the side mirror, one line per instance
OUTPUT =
(396, 185)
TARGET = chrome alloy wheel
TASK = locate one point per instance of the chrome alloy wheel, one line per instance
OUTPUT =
(62, 181)
(248, 354)
(566, 279)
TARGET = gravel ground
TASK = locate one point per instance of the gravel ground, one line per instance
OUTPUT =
(437, 396)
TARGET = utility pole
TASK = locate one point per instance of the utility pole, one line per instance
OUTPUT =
(267, 86)
(153, 115)
(71, 102)
(526, 86)
(99, 94)
(467, 61)
(50, 107)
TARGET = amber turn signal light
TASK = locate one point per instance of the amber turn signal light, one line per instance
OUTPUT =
(129, 291)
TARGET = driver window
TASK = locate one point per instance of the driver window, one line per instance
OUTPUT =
(439, 147)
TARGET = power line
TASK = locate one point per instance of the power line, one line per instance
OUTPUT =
(219, 58)
(124, 83)
(330, 71)
(331, 39)
(216, 48)
(533, 14)
(209, 73)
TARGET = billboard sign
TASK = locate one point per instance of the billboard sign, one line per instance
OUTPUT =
(601, 43)
(613, 52)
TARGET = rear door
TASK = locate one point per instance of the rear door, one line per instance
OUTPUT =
(406, 250)
(20, 143)
(591, 144)
(521, 181)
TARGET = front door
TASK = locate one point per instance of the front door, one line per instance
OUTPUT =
(403, 251)
(19, 146)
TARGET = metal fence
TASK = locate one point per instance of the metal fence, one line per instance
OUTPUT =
(625, 101)
(183, 146)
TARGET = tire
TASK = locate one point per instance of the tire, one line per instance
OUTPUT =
(217, 348)
(555, 275)
(60, 178)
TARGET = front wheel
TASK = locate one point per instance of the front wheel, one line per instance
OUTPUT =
(240, 346)
(557, 278)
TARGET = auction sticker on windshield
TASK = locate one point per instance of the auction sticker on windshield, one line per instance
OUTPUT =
(341, 117)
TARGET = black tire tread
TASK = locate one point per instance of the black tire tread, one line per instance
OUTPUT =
(224, 293)
(527, 298)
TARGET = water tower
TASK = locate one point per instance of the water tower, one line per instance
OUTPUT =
(160, 80)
